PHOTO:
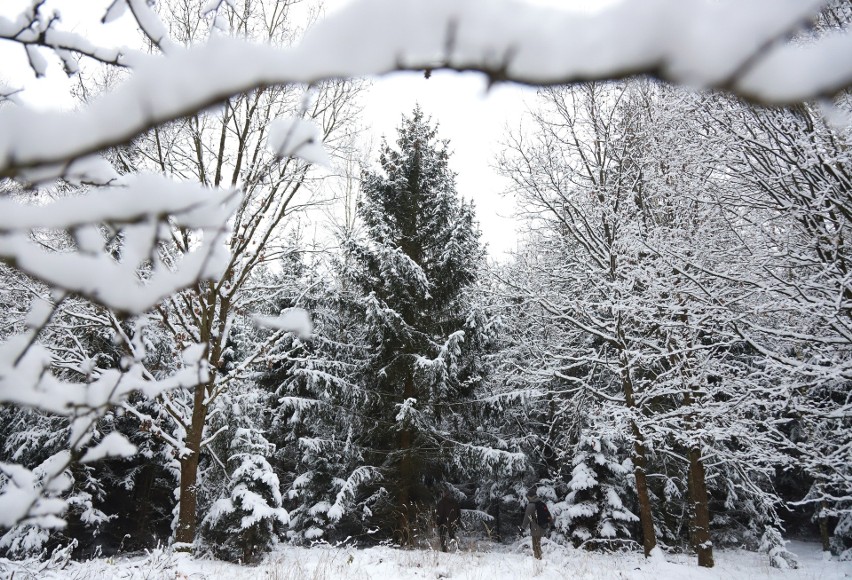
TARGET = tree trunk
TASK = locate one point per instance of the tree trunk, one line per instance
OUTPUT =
(405, 488)
(495, 529)
(406, 471)
(646, 518)
(640, 459)
(188, 502)
(700, 524)
(187, 511)
(699, 521)
(824, 534)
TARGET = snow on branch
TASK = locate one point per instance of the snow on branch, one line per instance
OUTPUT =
(739, 46)
(35, 31)
(151, 25)
(25, 379)
(348, 489)
(297, 138)
(491, 459)
(113, 445)
(23, 495)
(295, 320)
(142, 208)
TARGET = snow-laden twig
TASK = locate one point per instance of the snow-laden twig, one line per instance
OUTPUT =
(685, 41)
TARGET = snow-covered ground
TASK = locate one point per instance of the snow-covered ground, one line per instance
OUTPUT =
(474, 561)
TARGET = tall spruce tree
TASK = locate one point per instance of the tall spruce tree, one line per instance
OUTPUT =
(416, 265)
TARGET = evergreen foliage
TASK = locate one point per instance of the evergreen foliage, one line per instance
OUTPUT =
(244, 525)
(313, 403)
(841, 542)
(594, 514)
(415, 267)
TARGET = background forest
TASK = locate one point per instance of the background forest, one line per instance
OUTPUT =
(666, 359)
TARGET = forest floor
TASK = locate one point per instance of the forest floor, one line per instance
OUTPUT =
(474, 560)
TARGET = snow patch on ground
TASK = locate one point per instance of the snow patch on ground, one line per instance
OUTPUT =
(473, 560)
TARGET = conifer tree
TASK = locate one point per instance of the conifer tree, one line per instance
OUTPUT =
(415, 267)
(314, 407)
(594, 510)
(245, 525)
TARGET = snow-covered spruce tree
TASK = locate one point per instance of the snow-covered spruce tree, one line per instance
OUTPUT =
(113, 502)
(238, 473)
(841, 540)
(245, 525)
(773, 545)
(492, 471)
(139, 490)
(594, 514)
(314, 406)
(33, 438)
(420, 256)
(536, 397)
(135, 492)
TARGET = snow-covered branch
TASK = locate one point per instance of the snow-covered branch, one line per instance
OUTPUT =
(140, 207)
(739, 46)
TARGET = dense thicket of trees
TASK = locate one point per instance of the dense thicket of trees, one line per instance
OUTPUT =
(683, 258)
(667, 358)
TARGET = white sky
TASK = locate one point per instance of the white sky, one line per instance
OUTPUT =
(473, 118)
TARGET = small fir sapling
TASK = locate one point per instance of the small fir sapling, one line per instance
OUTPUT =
(841, 541)
(593, 513)
(772, 544)
(245, 525)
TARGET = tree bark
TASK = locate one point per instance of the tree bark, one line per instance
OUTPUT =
(405, 488)
(700, 524)
(495, 530)
(640, 462)
(406, 471)
(699, 521)
(187, 510)
(646, 517)
(824, 534)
